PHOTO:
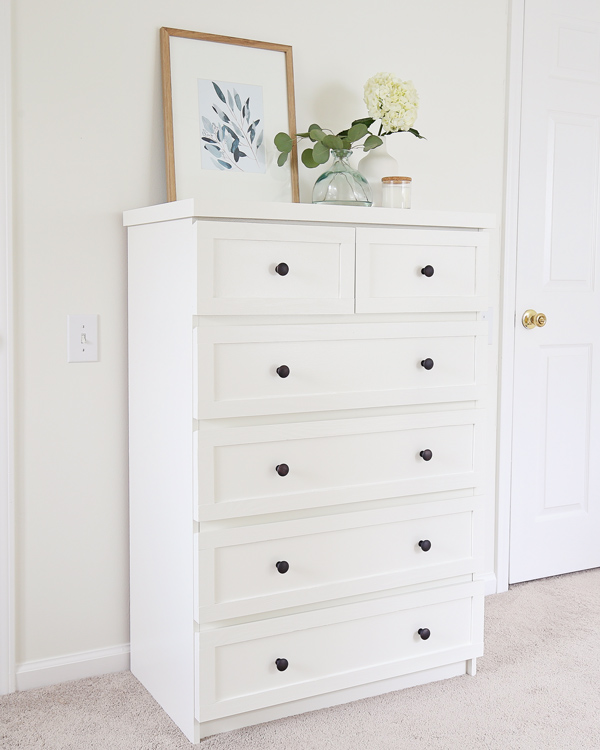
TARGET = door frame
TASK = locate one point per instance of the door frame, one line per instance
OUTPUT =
(7, 515)
(509, 291)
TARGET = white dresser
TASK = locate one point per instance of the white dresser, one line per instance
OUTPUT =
(306, 453)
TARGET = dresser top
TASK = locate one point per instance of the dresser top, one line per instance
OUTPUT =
(305, 212)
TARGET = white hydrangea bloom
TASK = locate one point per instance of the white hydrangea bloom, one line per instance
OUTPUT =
(392, 101)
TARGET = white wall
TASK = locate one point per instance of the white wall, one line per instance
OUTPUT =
(88, 144)
(6, 412)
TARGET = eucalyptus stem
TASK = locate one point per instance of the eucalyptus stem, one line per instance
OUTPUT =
(240, 125)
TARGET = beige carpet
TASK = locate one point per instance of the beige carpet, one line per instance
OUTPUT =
(537, 688)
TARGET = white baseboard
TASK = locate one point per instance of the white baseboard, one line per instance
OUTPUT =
(34, 674)
(490, 584)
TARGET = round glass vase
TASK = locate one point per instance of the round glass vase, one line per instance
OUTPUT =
(341, 184)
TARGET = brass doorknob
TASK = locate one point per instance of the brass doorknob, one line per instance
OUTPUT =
(531, 319)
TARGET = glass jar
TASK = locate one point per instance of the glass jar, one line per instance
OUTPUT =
(341, 184)
(396, 192)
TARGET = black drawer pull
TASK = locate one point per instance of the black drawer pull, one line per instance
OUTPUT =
(427, 363)
(423, 632)
(282, 469)
(425, 545)
(282, 269)
(282, 566)
(426, 455)
(281, 664)
(427, 271)
(283, 371)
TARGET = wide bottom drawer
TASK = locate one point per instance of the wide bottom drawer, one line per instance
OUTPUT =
(251, 666)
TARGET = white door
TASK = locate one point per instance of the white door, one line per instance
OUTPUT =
(555, 504)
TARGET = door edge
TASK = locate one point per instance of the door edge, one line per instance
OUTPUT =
(508, 291)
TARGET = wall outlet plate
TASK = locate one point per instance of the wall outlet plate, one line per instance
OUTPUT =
(82, 338)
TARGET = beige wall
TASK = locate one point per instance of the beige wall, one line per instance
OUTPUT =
(88, 144)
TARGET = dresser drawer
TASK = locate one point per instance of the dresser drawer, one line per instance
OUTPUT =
(331, 462)
(250, 370)
(262, 568)
(270, 269)
(407, 270)
(335, 648)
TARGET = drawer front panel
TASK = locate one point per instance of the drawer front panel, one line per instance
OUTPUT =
(349, 646)
(249, 570)
(324, 463)
(400, 270)
(262, 268)
(240, 369)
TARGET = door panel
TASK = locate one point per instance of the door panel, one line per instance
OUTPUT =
(555, 504)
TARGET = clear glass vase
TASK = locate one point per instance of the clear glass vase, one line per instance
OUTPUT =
(341, 184)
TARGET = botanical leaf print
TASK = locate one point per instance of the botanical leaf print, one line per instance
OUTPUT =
(230, 138)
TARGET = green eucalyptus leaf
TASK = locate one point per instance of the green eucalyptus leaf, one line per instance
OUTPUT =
(347, 143)
(333, 141)
(283, 142)
(282, 158)
(373, 141)
(368, 121)
(320, 153)
(307, 158)
(303, 135)
(416, 132)
(314, 126)
(357, 132)
(316, 134)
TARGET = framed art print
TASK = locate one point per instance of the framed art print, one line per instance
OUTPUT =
(224, 101)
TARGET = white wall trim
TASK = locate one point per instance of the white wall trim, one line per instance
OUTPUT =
(508, 292)
(7, 566)
(490, 584)
(34, 674)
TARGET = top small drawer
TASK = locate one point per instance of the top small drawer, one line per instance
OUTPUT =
(265, 269)
(420, 270)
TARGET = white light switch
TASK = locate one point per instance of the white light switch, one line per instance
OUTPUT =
(82, 338)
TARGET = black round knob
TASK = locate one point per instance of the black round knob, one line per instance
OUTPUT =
(282, 566)
(425, 545)
(426, 455)
(423, 632)
(282, 469)
(283, 371)
(283, 269)
(427, 271)
(283, 664)
(427, 363)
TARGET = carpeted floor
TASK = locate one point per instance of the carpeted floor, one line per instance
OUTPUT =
(537, 688)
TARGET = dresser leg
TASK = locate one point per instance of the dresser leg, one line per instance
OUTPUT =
(472, 667)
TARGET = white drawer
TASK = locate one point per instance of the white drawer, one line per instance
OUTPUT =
(335, 648)
(253, 569)
(250, 370)
(237, 269)
(332, 462)
(389, 265)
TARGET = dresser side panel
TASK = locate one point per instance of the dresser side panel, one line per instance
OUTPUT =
(162, 277)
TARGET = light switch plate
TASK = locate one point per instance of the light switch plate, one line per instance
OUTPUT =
(82, 338)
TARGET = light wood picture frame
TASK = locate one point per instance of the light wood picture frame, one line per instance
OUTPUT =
(224, 100)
